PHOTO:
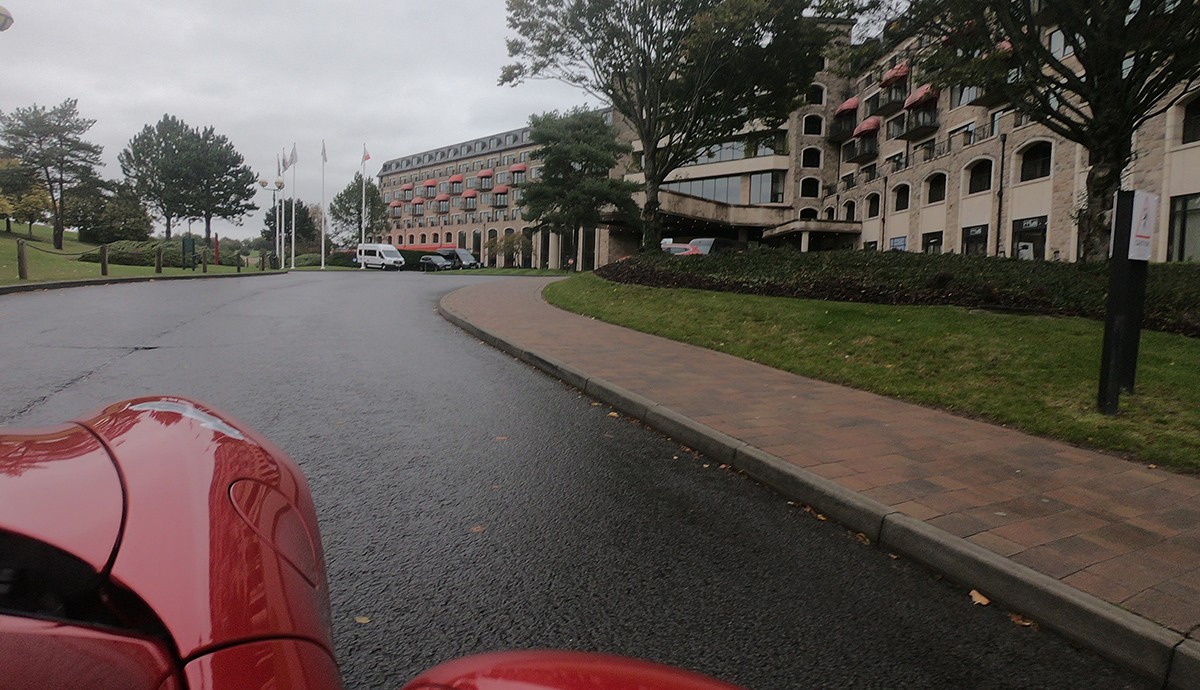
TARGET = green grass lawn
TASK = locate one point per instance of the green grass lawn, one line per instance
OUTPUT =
(46, 266)
(1038, 374)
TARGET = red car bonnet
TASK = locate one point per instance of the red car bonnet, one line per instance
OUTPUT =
(59, 486)
(220, 536)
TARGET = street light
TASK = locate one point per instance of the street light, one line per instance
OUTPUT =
(263, 182)
(6, 19)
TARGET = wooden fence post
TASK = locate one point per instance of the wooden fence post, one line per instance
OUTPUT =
(104, 259)
(158, 260)
(22, 267)
(203, 262)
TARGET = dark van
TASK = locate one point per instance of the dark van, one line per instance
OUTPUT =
(459, 258)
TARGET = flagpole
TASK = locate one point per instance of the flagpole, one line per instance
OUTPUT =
(324, 159)
(294, 161)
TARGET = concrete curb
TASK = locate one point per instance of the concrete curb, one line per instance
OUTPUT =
(88, 282)
(1127, 639)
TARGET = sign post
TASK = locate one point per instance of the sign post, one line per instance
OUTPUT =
(1135, 216)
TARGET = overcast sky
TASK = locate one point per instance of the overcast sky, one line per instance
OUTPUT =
(400, 76)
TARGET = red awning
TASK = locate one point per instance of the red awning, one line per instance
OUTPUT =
(868, 126)
(485, 173)
(407, 186)
(500, 189)
(470, 194)
(442, 197)
(396, 203)
(895, 74)
(851, 105)
(517, 167)
(430, 183)
(455, 178)
(418, 200)
(920, 96)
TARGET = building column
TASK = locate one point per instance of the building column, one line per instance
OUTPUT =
(804, 241)
(553, 261)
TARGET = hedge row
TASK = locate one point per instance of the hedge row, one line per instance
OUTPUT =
(1046, 287)
(134, 253)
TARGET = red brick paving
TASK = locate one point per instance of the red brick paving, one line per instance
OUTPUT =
(1120, 531)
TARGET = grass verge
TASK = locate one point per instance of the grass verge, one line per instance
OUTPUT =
(1036, 373)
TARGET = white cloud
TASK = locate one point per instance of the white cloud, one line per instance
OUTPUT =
(400, 76)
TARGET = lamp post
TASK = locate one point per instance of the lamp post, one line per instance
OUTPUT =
(278, 187)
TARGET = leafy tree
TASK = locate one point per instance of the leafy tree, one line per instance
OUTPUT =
(124, 217)
(221, 185)
(15, 181)
(159, 162)
(1115, 65)
(32, 207)
(307, 232)
(345, 211)
(89, 197)
(578, 150)
(51, 143)
(684, 74)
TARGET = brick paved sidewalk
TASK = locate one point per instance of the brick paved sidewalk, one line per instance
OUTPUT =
(1123, 532)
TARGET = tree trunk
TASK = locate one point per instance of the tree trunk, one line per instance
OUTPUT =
(651, 231)
(168, 220)
(1103, 181)
(207, 230)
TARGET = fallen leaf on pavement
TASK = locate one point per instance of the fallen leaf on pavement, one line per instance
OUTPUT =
(1021, 620)
(501, 438)
(362, 620)
(613, 414)
(863, 538)
(477, 529)
(979, 599)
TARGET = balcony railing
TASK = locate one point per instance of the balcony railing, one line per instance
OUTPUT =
(920, 123)
(842, 128)
(888, 101)
(860, 150)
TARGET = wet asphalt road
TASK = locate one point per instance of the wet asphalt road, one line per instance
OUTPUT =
(469, 503)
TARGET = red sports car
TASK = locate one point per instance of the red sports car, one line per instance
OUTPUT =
(159, 544)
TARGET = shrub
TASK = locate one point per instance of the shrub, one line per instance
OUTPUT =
(1047, 287)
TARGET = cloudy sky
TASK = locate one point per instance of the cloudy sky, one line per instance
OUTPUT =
(400, 76)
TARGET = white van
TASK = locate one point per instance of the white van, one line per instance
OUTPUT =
(381, 256)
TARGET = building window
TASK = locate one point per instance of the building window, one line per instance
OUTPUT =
(1183, 240)
(810, 188)
(810, 158)
(1059, 47)
(935, 188)
(1191, 122)
(815, 95)
(1035, 161)
(873, 206)
(848, 211)
(895, 126)
(766, 188)
(813, 125)
(979, 177)
(900, 196)
(964, 95)
(809, 214)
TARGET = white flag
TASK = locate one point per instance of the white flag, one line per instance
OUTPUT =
(292, 159)
(324, 158)
(366, 156)
(286, 163)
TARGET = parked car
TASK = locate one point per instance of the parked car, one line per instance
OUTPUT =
(678, 249)
(434, 262)
(559, 670)
(381, 256)
(717, 245)
(459, 258)
(159, 544)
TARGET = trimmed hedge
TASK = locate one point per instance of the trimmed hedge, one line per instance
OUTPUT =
(333, 258)
(134, 253)
(1044, 287)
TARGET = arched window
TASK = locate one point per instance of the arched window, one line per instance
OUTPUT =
(848, 211)
(810, 158)
(815, 95)
(810, 188)
(813, 124)
(935, 188)
(1035, 161)
(900, 197)
(829, 213)
(412, 239)
(873, 206)
(1191, 122)
(979, 176)
(449, 238)
(424, 238)
(809, 214)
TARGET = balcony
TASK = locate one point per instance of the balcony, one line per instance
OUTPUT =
(888, 101)
(920, 124)
(860, 150)
(842, 128)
